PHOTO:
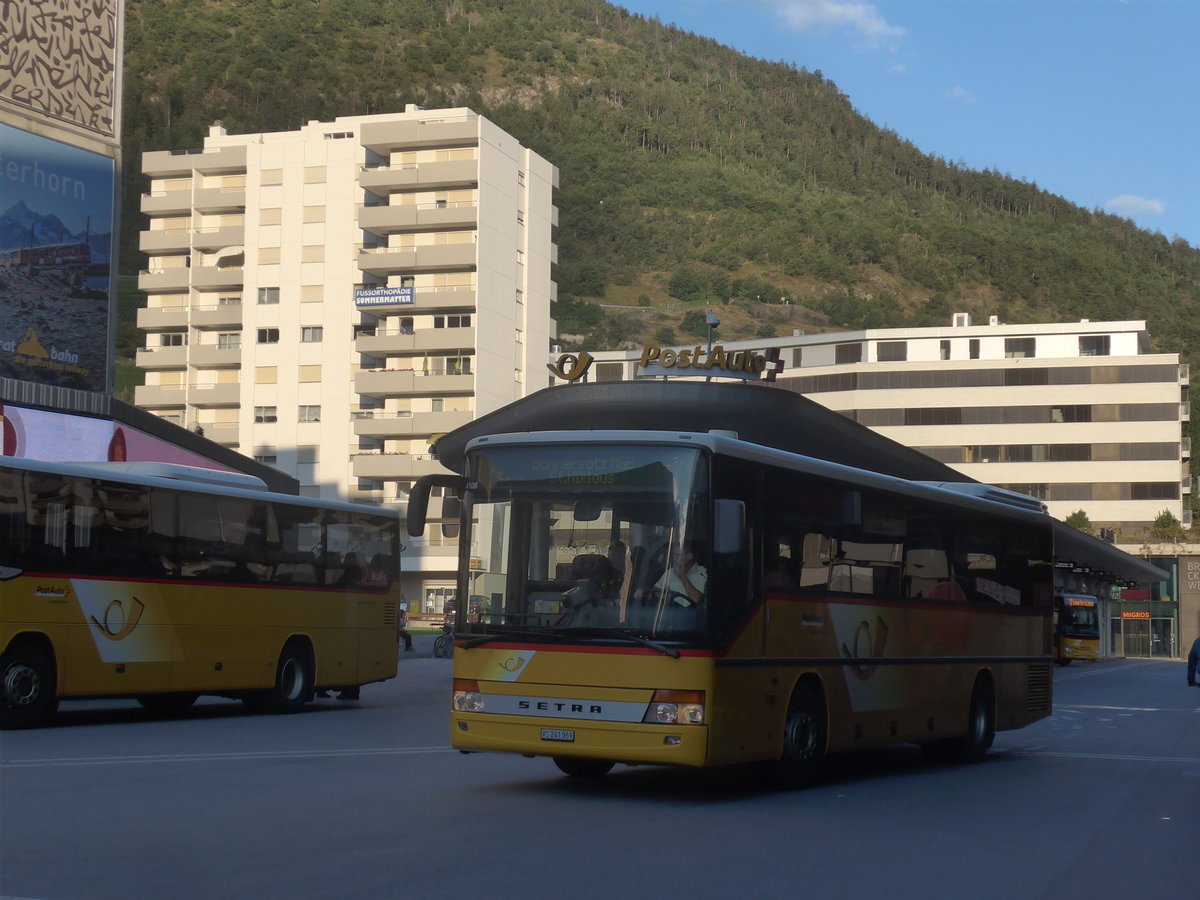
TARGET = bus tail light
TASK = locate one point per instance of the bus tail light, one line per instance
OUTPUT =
(675, 708)
(466, 696)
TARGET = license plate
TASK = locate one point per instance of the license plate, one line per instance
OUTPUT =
(558, 734)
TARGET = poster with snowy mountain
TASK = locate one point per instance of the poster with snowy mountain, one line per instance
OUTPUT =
(56, 224)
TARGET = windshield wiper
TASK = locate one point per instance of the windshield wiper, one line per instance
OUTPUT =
(470, 642)
(629, 636)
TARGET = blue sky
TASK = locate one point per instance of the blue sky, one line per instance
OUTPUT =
(1095, 100)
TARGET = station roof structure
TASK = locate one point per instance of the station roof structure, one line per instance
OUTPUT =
(763, 415)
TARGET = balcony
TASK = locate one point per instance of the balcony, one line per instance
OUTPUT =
(385, 220)
(408, 425)
(155, 397)
(430, 176)
(216, 277)
(383, 261)
(174, 163)
(165, 240)
(395, 466)
(161, 358)
(224, 433)
(395, 343)
(222, 199)
(218, 238)
(159, 318)
(221, 315)
(210, 356)
(1185, 373)
(413, 134)
(401, 383)
(215, 395)
(157, 281)
(167, 202)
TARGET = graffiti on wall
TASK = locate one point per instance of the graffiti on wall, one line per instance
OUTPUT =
(58, 58)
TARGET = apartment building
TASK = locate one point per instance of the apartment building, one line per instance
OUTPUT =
(329, 300)
(1080, 415)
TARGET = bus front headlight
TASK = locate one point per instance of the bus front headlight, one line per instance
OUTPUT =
(467, 697)
(675, 708)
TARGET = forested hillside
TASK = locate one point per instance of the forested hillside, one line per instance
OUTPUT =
(689, 173)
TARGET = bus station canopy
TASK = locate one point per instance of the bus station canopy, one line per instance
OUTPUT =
(761, 414)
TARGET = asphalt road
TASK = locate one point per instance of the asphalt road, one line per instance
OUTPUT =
(367, 800)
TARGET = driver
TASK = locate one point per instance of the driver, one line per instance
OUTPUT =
(685, 580)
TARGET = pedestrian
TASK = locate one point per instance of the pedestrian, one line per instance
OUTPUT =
(403, 629)
(1193, 672)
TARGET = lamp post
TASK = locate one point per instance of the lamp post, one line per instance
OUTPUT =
(711, 320)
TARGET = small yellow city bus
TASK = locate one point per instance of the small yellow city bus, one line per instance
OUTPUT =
(168, 582)
(692, 599)
(1076, 628)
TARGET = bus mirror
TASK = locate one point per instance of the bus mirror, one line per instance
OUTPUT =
(587, 510)
(418, 500)
(729, 526)
(451, 507)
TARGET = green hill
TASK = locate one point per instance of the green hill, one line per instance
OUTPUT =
(690, 174)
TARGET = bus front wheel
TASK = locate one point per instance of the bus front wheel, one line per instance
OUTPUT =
(804, 741)
(28, 686)
(582, 768)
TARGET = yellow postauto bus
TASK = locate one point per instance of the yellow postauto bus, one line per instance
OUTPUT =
(693, 599)
(167, 582)
(1076, 628)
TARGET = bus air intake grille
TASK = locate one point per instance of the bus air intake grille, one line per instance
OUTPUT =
(389, 613)
(1037, 697)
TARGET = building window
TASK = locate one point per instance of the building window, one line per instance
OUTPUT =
(268, 295)
(310, 414)
(229, 300)
(848, 353)
(230, 340)
(311, 334)
(1019, 348)
(437, 404)
(944, 350)
(177, 339)
(892, 351)
(1094, 345)
(267, 459)
(407, 281)
(265, 415)
(974, 348)
(310, 373)
(266, 374)
(268, 335)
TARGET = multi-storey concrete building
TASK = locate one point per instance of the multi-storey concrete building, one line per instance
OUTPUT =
(331, 299)
(1079, 415)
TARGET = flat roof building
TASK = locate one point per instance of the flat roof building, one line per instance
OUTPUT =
(1079, 415)
(330, 300)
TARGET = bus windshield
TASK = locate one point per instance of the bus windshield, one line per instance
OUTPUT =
(1078, 619)
(591, 541)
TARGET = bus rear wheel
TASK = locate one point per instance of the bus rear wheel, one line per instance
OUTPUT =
(28, 686)
(293, 682)
(804, 741)
(973, 746)
(583, 768)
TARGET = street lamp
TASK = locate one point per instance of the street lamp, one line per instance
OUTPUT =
(711, 320)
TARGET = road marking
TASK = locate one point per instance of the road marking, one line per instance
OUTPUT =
(1106, 669)
(1130, 708)
(1119, 757)
(215, 757)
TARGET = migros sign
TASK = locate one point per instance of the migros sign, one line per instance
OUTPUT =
(667, 362)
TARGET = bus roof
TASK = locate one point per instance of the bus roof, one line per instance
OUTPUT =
(186, 479)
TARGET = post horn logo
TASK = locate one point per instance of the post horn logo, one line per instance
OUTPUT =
(118, 622)
(571, 366)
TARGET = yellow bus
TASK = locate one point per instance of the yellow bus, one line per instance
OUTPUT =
(1076, 628)
(695, 599)
(166, 582)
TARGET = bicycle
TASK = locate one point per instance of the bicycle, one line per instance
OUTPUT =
(443, 646)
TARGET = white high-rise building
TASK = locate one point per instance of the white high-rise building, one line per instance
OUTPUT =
(330, 300)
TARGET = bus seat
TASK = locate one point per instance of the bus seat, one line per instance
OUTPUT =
(591, 565)
(924, 570)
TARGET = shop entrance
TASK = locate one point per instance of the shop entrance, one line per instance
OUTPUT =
(1139, 636)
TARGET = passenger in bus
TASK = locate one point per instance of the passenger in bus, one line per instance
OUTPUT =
(685, 580)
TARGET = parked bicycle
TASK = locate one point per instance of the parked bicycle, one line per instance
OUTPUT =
(443, 646)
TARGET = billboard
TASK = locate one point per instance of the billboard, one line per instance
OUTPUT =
(56, 240)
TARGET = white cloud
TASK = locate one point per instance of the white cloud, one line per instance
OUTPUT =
(861, 19)
(1133, 205)
(960, 95)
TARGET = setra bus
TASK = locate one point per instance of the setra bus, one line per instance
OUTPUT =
(657, 597)
(1076, 628)
(166, 582)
